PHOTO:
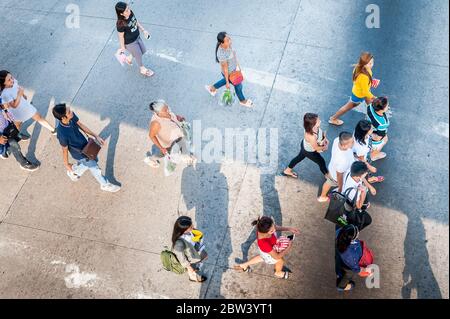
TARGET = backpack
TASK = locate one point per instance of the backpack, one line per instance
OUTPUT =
(170, 262)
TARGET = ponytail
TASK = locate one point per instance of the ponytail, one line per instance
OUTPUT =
(263, 224)
(220, 40)
(360, 67)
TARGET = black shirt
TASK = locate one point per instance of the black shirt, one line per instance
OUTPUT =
(130, 29)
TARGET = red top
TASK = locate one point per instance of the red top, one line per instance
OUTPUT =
(266, 244)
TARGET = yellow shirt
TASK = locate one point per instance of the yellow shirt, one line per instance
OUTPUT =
(362, 85)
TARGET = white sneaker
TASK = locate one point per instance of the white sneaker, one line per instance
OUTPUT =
(151, 162)
(110, 188)
(208, 88)
(74, 177)
(248, 104)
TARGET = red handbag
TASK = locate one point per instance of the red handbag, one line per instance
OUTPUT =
(367, 256)
(236, 77)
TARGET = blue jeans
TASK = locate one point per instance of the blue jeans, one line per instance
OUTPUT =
(238, 88)
(85, 164)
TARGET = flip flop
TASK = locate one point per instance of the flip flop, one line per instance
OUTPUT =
(376, 179)
(240, 269)
(285, 276)
(148, 73)
(293, 175)
(336, 122)
(213, 94)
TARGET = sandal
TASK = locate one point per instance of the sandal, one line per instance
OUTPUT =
(249, 103)
(208, 88)
(376, 179)
(379, 156)
(292, 175)
(240, 269)
(285, 276)
(199, 278)
(336, 122)
(148, 73)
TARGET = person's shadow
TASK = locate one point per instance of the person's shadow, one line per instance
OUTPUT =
(205, 189)
(111, 131)
(271, 207)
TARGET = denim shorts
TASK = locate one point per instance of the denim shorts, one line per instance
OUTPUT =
(356, 99)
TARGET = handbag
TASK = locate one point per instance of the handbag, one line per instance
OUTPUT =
(367, 256)
(11, 132)
(236, 77)
(91, 149)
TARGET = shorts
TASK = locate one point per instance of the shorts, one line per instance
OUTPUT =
(267, 258)
(356, 99)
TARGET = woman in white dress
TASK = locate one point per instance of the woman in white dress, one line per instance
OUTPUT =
(14, 99)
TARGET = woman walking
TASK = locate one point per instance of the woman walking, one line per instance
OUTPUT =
(314, 143)
(226, 56)
(268, 248)
(349, 257)
(363, 146)
(362, 83)
(16, 102)
(377, 113)
(188, 246)
(128, 28)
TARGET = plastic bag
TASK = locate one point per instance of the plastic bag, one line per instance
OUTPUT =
(227, 98)
(169, 165)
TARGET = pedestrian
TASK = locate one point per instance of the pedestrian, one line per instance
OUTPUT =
(226, 56)
(9, 141)
(130, 40)
(348, 256)
(166, 131)
(267, 246)
(341, 160)
(355, 182)
(377, 113)
(15, 100)
(362, 83)
(188, 245)
(71, 139)
(363, 146)
(314, 143)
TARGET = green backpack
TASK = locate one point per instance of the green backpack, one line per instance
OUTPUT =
(170, 262)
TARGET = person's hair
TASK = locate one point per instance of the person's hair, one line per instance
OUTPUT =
(59, 111)
(344, 137)
(362, 128)
(157, 106)
(358, 169)
(380, 103)
(220, 40)
(360, 67)
(120, 9)
(345, 237)
(309, 121)
(263, 224)
(182, 224)
(3, 75)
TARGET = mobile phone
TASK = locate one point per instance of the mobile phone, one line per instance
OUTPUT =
(291, 237)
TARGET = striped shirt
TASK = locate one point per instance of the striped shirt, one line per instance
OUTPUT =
(5, 119)
(380, 123)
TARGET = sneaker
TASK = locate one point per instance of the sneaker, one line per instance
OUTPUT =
(54, 132)
(24, 136)
(110, 188)
(208, 88)
(151, 162)
(30, 167)
(74, 177)
(4, 156)
(323, 199)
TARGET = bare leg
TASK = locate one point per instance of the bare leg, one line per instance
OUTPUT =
(279, 268)
(38, 118)
(255, 260)
(347, 107)
(325, 189)
(18, 125)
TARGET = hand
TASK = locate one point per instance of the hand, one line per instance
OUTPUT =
(180, 118)
(3, 140)
(121, 51)
(100, 140)
(164, 151)
(21, 91)
(295, 231)
(146, 34)
(228, 85)
(69, 167)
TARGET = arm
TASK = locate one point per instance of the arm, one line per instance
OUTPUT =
(86, 130)
(362, 81)
(372, 189)
(363, 159)
(180, 118)
(3, 140)
(65, 151)
(361, 198)
(141, 28)
(16, 102)
(224, 66)
(340, 181)
(122, 41)
(154, 130)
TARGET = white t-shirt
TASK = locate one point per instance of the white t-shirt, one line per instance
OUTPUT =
(349, 182)
(25, 110)
(341, 161)
(361, 149)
